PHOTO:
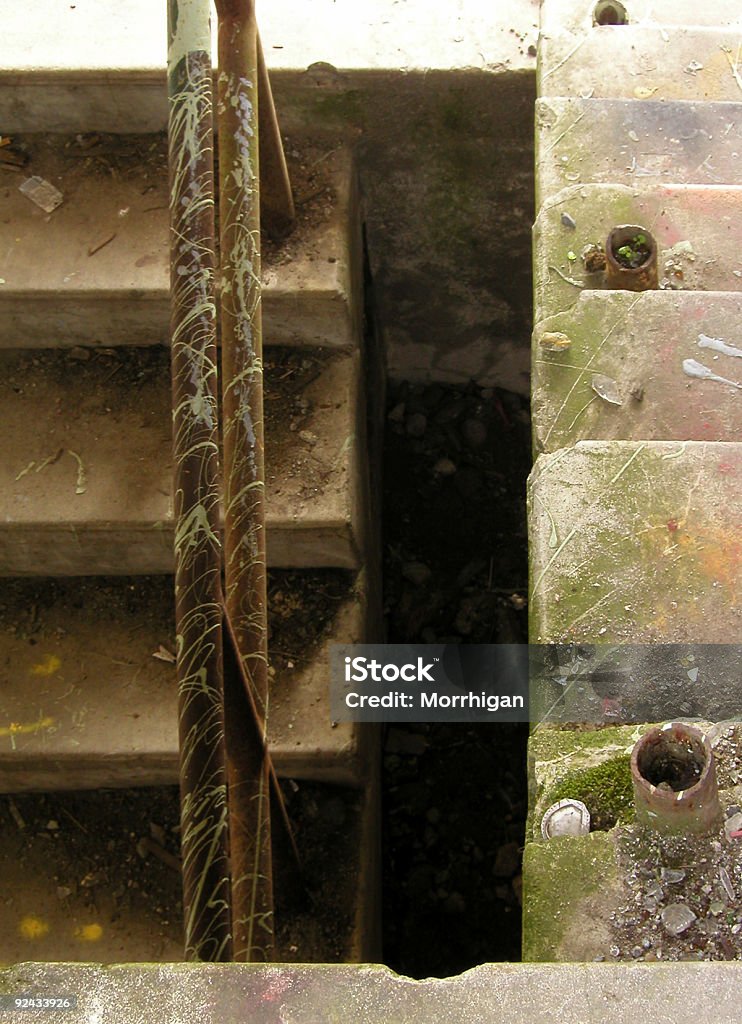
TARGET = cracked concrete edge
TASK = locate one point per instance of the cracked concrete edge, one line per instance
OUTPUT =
(519, 993)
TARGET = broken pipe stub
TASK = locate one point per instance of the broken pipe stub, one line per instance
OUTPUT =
(633, 279)
(674, 778)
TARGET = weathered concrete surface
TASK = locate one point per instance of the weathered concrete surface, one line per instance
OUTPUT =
(640, 341)
(703, 221)
(57, 293)
(608, 685)
(638, 144)
(517, 993)
(641, 63)
(650, 15)
(439, 102)
(85, 704)
(100, 918)
(636, 542)
(111, 512)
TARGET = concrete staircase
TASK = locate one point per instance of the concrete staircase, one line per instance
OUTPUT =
(87, 691)
(635, 495)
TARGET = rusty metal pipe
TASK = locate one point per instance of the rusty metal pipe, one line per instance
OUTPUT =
(203, 780)
(618, 273)
(276, 199)
(674, 778)
(244, 469)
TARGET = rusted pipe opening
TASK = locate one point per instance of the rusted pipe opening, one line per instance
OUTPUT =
(672, 769)
(610, 12)
(631, 258)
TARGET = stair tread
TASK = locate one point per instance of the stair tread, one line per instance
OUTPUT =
(114, 415)
(640, 341)
(96, 269)
(87, 704)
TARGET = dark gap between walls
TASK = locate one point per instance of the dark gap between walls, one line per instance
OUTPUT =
(456, 459)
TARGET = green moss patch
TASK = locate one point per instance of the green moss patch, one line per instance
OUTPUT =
(605, 789)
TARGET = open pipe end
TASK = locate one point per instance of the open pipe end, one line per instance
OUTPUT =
(631, 259)
(674, 779)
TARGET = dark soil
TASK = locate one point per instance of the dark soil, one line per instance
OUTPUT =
(455, 796)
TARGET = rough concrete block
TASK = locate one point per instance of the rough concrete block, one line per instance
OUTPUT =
(519, 993)
(85, 471)
(641, 62)
(606, 895)
(650, 15)
(96, 270)
(638, 144)
(636, 543)
(89, 713)
(640, 341)
(697, 231)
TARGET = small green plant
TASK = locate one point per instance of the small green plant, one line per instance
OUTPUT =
(634, 252)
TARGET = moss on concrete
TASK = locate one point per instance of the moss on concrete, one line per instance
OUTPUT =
(559, 879)
(605, 789)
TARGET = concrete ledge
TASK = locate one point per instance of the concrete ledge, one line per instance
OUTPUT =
(90, 712)
(702, 217)
(519, 993)
(640, 63)
(638, 144)
(59, 289)
(111, 512)
(650, 15)
(636, 543)
(639, 341)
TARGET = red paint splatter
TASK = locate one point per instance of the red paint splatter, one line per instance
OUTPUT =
(672, 525)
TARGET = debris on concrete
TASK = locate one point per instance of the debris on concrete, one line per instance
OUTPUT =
(42, 193)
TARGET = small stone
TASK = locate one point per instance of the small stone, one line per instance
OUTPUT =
(308, 437)
(672, 875)
(554, 341)
(636, 952)
(397, 413)
(569, 222)
(677, 918)
(416, 424)
(717, 907)
(52, 825)
(455, 904)
(63, 891)
(416, 573)
(733, 809)
(79, 354)
(444, 467)
(507, 861)
(474, 433)
(733, 824)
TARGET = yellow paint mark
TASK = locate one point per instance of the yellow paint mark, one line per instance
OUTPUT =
(33, 927)
(47, 667)
(21, 729)
(89, 933)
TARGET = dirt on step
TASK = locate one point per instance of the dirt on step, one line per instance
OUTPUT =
(95, 876)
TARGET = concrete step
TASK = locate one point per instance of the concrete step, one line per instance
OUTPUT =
(640, 62)
(640, 341)
(88, 701)
(95, 884)
(586, 993)
(650, 15)
(95, 271)
(636, 543)
(638, 144)
(697, 230)
(85, 469)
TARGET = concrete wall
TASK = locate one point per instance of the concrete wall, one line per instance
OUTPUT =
(439, 96)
